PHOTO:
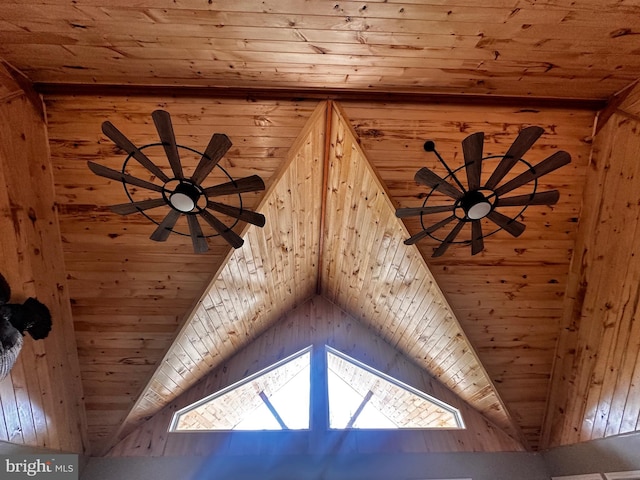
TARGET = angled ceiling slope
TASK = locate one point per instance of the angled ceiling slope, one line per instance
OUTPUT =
(318, 239)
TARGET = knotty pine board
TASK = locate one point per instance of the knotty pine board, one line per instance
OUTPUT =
(552, 50)
(594, 390)
(119, 280)
(509, 298)
(42, 398)
(273, 272)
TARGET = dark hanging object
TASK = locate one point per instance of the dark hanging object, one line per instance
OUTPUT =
(15, 319)
(474, 202)
(184, 195)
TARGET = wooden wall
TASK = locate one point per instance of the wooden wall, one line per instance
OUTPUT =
(258, 283)
(316, 322)
(129, 295)
(41, 400)
(596, 383)
(508, 298)
(368, 271)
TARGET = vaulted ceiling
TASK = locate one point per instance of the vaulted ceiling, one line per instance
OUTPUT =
(150, 319)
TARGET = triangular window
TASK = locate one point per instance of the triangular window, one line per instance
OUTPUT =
(259, 402)
(278, 398)
(362, 397)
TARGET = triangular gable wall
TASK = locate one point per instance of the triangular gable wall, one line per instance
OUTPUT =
(316, 322)
(331, 228)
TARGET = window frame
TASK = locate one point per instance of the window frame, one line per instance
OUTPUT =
(319, 406)
(175, 419)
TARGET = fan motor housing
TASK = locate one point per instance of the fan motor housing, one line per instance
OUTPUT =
(475, 205)
(185, 197)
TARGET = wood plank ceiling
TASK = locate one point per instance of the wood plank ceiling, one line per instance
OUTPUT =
(129, 297)
(555, 48)
(308, 247)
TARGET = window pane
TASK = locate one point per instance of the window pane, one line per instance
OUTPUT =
(247, 405)
(362, 397)
(292, 401)
(343, 401)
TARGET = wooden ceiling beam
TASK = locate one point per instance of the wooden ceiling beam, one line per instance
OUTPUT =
(26, 86)
(615, 104)
(323, 201)
(344, 95)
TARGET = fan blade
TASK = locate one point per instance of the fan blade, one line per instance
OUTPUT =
(519, 147)
(450, 238)
(125, 144)
(413, 211)
(513, 227)
(477, 243)
(415, 238)
(242, 185)
(107, 172)
(427, 231)
(197, 237)
(239, 213)
(424, 176)
(472, 150)
(218, 146)
(133, 207)
(164, 127)
(225, 232)
(548, 165)
(161, 233)
(550, 197)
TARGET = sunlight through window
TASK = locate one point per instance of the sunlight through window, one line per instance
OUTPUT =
(276, 398)
(362, 397)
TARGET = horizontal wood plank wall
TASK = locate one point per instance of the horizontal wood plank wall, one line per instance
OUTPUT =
(315, 322)
(129, 294)
(554, 49)
(41, 401)
(596, 384)
(509, 298)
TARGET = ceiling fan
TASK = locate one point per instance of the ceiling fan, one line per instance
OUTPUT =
(475, 202)
(185, 195)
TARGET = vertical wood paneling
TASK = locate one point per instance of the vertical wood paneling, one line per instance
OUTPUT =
(316, 322)
(42, 400)
(595, 391)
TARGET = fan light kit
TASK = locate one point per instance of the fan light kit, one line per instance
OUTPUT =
(476, 202)
(184, 195)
